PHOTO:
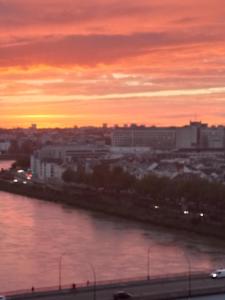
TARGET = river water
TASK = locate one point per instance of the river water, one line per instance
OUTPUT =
(36, 235)
(5, 164)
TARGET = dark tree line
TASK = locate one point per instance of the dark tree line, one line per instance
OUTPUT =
(102, 176)
(193, 194)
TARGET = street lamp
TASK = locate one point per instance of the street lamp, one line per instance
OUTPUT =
(94, 276)
(189, 275)
(60, 271)
(148, 264)
(60, 267)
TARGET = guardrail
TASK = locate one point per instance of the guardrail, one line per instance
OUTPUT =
(102, 284)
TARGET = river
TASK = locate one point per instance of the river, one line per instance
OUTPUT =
(36, 235)
(5, 164)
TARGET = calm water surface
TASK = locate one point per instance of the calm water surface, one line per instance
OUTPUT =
(5, 164)
(35, 234)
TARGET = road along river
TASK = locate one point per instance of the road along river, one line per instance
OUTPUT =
(38, 239)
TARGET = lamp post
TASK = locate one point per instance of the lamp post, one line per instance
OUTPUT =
(60, 271)
(148, 264)
(94, 276)
(189, 275)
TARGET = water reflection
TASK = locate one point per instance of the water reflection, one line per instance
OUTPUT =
(6, 164)
(34, 234)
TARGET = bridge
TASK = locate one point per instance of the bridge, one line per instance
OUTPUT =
(157, 288)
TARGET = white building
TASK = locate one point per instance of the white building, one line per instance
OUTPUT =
(45, 170)
(50, 162)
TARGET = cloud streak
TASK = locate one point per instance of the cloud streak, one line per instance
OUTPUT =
(111, 60)
(93, 49)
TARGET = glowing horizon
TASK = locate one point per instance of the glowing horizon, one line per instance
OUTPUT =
(66, 63)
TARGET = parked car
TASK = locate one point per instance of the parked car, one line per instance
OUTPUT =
(220, 273)
(122, 295)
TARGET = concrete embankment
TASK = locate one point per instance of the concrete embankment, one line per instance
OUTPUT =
(123, 205)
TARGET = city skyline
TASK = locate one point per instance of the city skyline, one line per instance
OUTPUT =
(123, 125)
(66, 63)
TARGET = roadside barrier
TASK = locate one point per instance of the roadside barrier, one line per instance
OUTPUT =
(34, 291)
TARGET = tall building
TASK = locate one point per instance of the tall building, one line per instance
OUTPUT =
(198, 135)
(188, 137)
(213, 137)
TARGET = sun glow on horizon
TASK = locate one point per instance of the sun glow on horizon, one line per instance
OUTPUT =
(111, 62)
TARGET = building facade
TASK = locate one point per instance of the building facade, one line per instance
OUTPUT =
(198, 135)
(140, 136)
(50, 162)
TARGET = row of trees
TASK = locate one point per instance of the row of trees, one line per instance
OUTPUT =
(22, 163)
(190, 193)
(27, 147)
(102, 176)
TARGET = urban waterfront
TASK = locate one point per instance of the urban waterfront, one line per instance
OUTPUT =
(37, 235)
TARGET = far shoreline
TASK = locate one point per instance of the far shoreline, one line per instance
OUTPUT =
(119, 205)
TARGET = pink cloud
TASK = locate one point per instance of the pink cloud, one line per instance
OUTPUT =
(63, 48)
(94, 49)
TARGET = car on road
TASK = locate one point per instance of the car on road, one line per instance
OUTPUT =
(122, 295)
(220, 273)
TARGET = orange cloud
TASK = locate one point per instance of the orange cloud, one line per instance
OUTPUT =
(155, 62)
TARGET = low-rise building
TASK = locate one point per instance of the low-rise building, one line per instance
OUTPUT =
(51, 161)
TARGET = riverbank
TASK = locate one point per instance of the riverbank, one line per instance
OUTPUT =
(118, 204)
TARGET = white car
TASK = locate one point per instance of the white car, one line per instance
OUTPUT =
(220, 273)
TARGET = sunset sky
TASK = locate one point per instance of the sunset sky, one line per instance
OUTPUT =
(88, 62)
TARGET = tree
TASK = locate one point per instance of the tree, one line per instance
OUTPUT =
(23, 163)
(69, 175)
(14, 147)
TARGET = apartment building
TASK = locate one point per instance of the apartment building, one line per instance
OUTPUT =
(198, 135)
(141, 136)
(50, 162)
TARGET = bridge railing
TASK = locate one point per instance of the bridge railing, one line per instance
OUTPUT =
(100, 284)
